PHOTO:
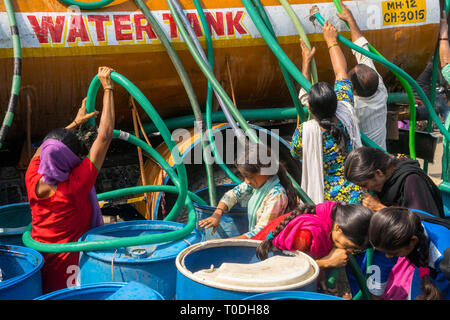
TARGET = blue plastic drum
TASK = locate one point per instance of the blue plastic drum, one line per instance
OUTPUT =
(152, 265)
(292, 295)
(232, 224)
(228, 269)
(14, 219)
(105, 291)
(20, 273)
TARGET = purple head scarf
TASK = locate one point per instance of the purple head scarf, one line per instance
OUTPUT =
(57, 161)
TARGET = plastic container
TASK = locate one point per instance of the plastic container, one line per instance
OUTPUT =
(21, 273)
(105, 291)
(14, 219)
(232, 223)
(293, 295)
(237, 273)
(152, 265)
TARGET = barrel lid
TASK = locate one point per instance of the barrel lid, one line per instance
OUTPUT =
(286, 270)
(275, 271)
(142, 253)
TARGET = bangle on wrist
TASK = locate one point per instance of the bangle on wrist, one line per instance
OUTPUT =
(76, 123)
(108, 88)
(443, 38)
(333, 45)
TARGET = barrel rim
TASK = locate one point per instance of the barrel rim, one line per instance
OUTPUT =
(179, 263)
(16, 230)
(96, 285)
(21, 251)
(286, 294)
(100, 254)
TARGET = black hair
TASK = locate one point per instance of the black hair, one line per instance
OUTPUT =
(323, 104)
(353, 219)
(251, 161)
(362, 163)
(70, 139)
(391, 229)
(364, 80)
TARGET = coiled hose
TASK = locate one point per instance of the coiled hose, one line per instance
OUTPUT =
(179, 179)
(17, 72)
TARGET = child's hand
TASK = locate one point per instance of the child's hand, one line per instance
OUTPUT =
(211, 222)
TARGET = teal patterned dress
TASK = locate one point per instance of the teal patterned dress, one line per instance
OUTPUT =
(336, 187)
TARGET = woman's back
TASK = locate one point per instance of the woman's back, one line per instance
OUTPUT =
(336, 187)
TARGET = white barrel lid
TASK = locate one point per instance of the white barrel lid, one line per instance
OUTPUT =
(272, 272)
(288, 271)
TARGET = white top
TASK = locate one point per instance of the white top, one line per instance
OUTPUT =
(371, 111)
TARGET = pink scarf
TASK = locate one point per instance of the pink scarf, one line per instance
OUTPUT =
(319, 224)
(399, 281)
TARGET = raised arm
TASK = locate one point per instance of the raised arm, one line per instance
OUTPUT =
(101, 144)
(444, 48)
(307, 56)
(348, 17)
(336, 55)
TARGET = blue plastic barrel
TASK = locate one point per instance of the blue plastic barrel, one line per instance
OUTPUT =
(232, 224)
(213, 253)
(152, 265)
(105, 291)
(292, 295)
(20, 272)
(14, 219)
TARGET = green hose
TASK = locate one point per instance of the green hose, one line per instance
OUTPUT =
(274, 46)
(409, 92)
(128, 241)
(211, 78)
(17, 73)
(396, 69)
(287, 78)
(301, 32)
(191, 95)
(180, 182)
(118, 242)
(209, 96)
(153, 114)
(87, 5)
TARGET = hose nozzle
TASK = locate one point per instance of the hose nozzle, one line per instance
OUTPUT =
(312, 12)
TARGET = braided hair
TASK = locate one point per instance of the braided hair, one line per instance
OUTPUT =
(353, 219)
(266, 246)
(391, 229)
(323, 104)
